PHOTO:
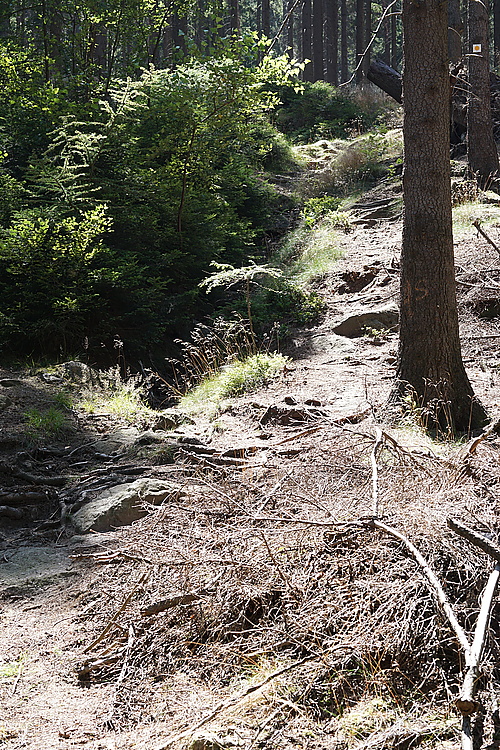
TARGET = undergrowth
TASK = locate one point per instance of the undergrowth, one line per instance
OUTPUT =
(122, 399)
(45, 423)
(236, 378)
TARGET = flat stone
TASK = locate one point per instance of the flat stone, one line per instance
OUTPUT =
(356, 325)
(116, 441)
(76, 371)
(9, 382)
(169, 419)
(33, 565)
(123, 504)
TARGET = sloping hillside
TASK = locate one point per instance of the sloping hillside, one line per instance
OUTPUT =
(254, 603)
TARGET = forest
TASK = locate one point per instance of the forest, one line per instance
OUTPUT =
(249, 445)
(143, 141)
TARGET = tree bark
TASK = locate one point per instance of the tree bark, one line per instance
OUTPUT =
(482, 155)
(343, 41)
(387, 79)
(317, 40)
(332, 47)
(307, 40)
(431, 377)
(455, 31)
(360, 40)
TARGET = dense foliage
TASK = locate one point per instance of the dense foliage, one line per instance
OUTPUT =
(117, 194)
(112, 209)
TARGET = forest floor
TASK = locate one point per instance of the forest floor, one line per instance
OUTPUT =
(278, 619)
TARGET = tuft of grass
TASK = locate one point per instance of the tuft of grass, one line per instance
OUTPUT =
(465, 213)
(12, 668)
(367, 157)
(49, 423)
(310, 253)
(126, 404)
(366, 717)
(241, 376)
(117, 398)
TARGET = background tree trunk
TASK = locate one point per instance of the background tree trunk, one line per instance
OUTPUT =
(234, 13)
(368, 37)
(394, 42)
(266, 18)
(482, 155)
(307, 40)
(317, 40)
(290, 35)
(496, 32)
(431, 375)
(331, 47)
(343, 41)
(360, 39)
(455, 31)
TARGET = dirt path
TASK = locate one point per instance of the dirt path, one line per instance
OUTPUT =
(53, 606)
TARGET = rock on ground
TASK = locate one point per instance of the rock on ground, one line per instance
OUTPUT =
(123, 504)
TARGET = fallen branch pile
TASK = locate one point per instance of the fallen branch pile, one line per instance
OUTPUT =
(273, 569)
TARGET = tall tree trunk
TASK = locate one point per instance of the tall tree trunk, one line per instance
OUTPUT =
(368, 37)
(496, 32)
(99, 48)
(179, 32)
(455, 31)
(344, 70)
(234, 13)
(55, 40)
(307, 40)
(290, 30)
(317, 40)
(360, 39)
(386, 36)
(266, 18)
(482, 155)
(394, 42)
(431, 375)
(21, 23)
(331, 46)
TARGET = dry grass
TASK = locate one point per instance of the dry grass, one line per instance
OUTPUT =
(283, 569)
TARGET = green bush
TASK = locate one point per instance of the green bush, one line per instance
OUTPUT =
(319, 111)
(111, 211)
(318, 208)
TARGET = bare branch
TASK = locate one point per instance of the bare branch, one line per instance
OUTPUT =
(478, 540)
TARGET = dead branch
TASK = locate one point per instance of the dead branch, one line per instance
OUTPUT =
(237, 699)
(465, 702)
(472, 446)
(431, 577)
(108, 721)
(379, 439)
(113, 619)
(269, 495)
(476, 223)
(110, 556)
(478, 540)
(173, 601)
